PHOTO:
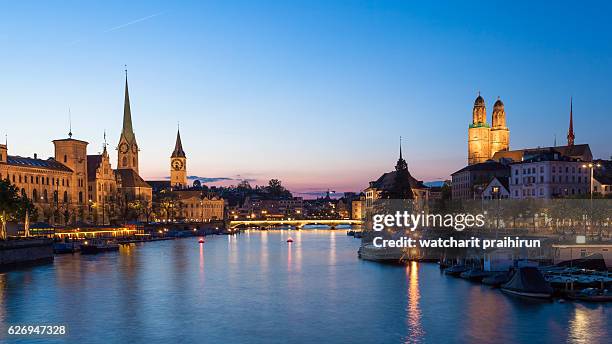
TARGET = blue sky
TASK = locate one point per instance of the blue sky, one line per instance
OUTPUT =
(315, 93)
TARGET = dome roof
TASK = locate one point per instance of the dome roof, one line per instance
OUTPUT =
(498, 103)
(479, 100)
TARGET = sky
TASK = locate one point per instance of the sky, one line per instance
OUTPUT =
(315, 93)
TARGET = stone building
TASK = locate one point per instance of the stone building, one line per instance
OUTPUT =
(485, 140)
(102, 188)
(398, 184)
(470, 181)
(548, 175)
(57, 186)
(199, 207)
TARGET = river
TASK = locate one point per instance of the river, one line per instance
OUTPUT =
(257, 288)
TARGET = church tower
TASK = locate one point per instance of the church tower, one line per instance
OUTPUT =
(127, 158)
(479, 149)
(178, 164)
(500, 134)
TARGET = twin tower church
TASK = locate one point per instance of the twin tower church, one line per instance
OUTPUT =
(485, 140)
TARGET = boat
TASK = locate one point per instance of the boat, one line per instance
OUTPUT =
(475, 275)
(350, 233)
(497, 278)
(593, 261)
(66, 247)
(201, 241)
(529, 282)
(592, 295)
(456, 270)
(381, 254)
(98, 246)
(289, 240)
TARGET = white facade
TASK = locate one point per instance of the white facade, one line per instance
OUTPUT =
(548, 178)
(602, 188)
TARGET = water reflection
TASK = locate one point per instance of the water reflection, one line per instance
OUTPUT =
(313, 290)
(413, 318)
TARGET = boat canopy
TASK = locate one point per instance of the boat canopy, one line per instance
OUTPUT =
(529, 280)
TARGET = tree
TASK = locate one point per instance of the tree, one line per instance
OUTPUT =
(275, 189)
(13, 205)
(245, 185)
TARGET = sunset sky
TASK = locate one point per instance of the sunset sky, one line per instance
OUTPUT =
(315, 93)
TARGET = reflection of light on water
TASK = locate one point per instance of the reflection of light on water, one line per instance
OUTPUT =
(289, 256)
(332, 248)
(297, 246)
(583, 326)
(201, 262)
(415, 330)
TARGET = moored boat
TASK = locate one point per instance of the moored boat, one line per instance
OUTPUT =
(456, 270)
(66, 247)
(592, 295)
(475, 275)
(97, 246)
(381, 254)
(497, 278)
(529, 282)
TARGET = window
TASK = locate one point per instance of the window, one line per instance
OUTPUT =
(45, 198)
(65, 158)
(124, 161)
(80, 197)
(65, 196)
(541, 179)
(34, 195)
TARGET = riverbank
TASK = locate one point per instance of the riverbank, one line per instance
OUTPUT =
(16, 253)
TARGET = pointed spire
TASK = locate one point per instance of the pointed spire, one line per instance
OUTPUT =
(401, 163)
(128, 131)
(570, 131)
(178, 146)
(104, 152)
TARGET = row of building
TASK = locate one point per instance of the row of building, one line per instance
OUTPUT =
(543, 172)
(73, 186)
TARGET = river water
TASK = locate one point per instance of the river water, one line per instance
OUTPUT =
(256, 288)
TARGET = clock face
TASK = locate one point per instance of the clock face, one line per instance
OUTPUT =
(134, 149)
(177, 164)
(123, 148)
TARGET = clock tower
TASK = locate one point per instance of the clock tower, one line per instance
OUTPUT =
(127, 158)
(178, 164)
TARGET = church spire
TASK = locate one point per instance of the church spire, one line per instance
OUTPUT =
(178, 146)
(570, 131)
(128, 131)
(401, 148)
(401, 163)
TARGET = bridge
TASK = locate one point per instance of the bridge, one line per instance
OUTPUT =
(298, 224)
